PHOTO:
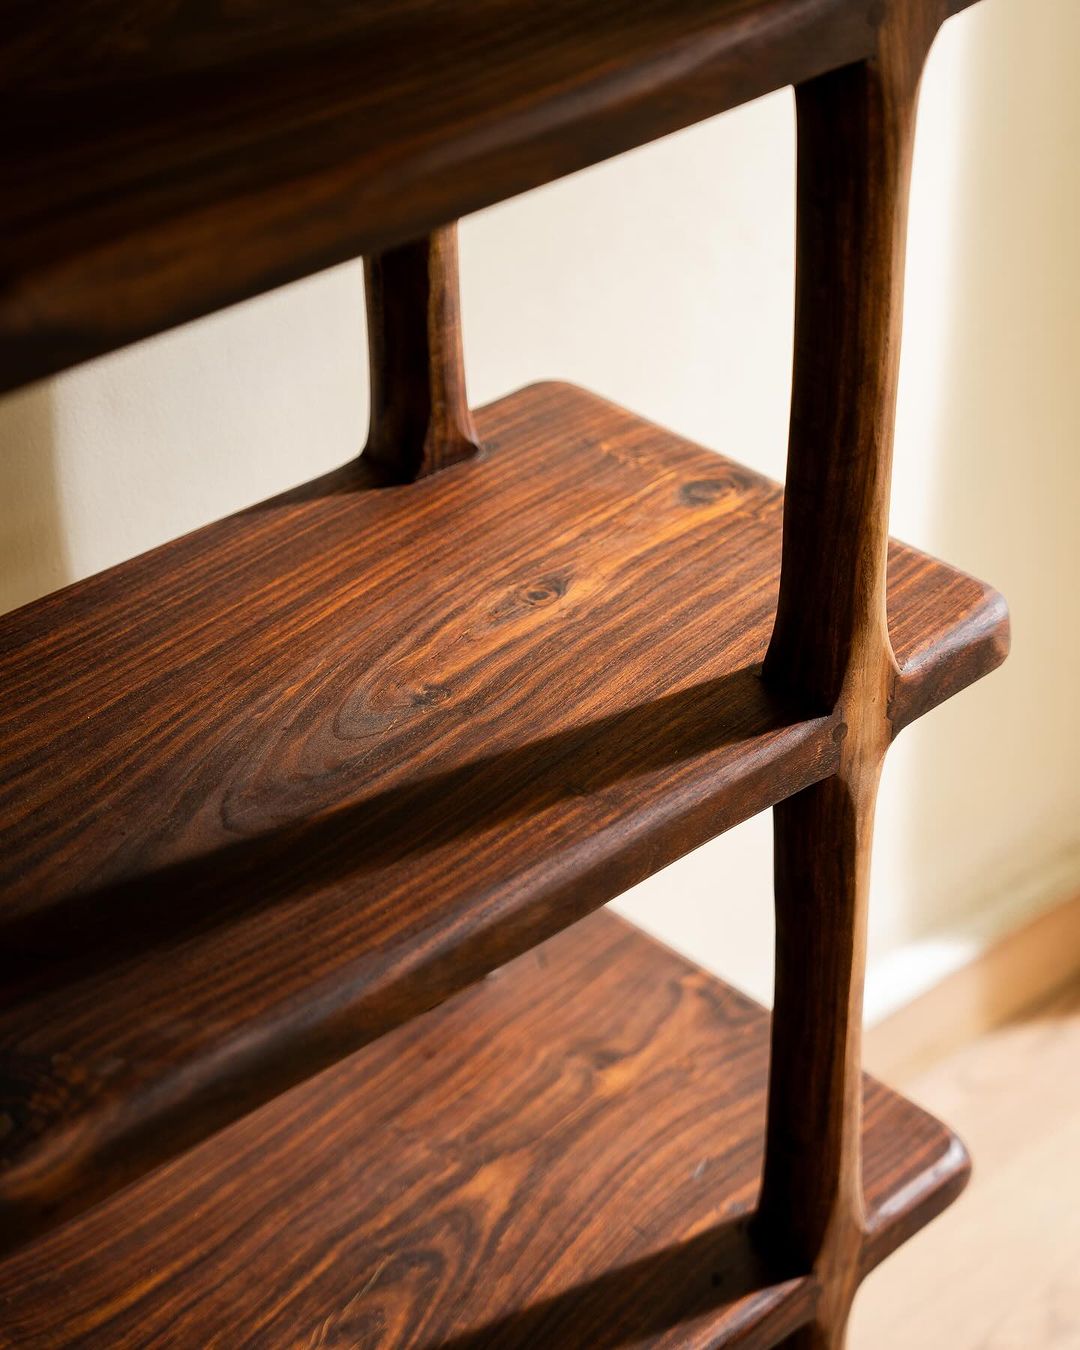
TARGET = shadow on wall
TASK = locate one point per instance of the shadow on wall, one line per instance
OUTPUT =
(33, 553)
(994, 770)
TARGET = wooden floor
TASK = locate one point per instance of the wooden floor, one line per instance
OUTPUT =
(1000, 1270)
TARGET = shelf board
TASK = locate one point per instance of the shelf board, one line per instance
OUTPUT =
(164, 161)
(270, 790)
(565, 1154)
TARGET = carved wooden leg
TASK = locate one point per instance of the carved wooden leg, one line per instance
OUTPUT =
(830, 645)
(812, 1200)
(420, 419)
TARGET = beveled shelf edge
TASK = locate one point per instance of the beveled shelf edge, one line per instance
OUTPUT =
(916, 1205)
(956, 661)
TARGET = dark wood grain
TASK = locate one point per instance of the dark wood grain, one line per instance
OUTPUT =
(565, 1155)
(831, 642)
(160, 161)
(420, 419)
(272, 789)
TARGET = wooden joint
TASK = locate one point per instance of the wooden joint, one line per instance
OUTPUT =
(855, 137)
(420, 419)
(830, 645)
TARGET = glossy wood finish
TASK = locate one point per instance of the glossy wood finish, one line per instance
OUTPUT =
(162, 161)
(272, 789)
(563, 1156)
(420, 419)
(831, 641)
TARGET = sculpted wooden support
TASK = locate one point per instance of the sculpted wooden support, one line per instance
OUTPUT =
(830, 645)
(273, 790)
(420, 419)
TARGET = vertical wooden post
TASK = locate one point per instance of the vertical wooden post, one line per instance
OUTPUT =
(420, 420)
(830, 645)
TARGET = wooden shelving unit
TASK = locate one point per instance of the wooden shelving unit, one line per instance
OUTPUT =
(275, 795)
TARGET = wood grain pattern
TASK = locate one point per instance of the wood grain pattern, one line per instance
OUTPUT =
(831, 642)
(161, 161)
(565, 1155)
(268, 791)
(420, 418)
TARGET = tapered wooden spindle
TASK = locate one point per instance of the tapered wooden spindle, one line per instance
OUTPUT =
(420, 420)
(830, 646)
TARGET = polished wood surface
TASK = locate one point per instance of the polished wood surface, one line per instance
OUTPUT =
(831, 642)
(161, 161)
(274, 788)
(420, 418)
(563, 1156)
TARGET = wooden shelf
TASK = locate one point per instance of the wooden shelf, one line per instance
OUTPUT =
(564, 1155)
(274, 788)
(161, 162)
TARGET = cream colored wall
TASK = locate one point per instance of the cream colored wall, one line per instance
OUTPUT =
(663, 280)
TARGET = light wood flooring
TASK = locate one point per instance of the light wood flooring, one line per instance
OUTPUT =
(1000, 1270)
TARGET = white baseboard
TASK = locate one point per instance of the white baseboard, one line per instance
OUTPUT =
(909, 971)
(931, 997)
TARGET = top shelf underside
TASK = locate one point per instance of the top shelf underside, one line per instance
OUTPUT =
(276, 787)
(163, 162)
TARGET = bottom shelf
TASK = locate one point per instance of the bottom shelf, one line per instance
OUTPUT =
(562, 1156)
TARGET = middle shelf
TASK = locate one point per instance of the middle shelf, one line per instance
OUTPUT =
(278, 786)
